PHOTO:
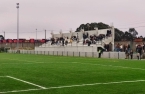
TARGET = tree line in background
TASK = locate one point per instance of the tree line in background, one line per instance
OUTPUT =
(2, 37)
(129, 35)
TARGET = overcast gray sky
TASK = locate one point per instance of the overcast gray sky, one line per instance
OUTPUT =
(64, 15)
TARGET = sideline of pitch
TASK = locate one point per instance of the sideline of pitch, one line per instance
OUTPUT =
(71, 86)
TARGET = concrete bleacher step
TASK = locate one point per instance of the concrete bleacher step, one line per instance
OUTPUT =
(107, 40)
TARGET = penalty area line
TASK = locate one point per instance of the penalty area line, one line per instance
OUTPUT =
(14, 91)
(26, 82)
(2, 76)
(71, 86)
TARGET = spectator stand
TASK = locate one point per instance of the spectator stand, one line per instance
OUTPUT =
(96, 38)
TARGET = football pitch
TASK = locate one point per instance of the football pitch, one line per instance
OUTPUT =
(44, 74)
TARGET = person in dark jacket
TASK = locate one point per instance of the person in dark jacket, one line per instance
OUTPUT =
(126, 53)
(139, 52)
(131, 54)
(100, 52)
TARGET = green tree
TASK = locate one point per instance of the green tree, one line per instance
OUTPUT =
(1, 37)
(127, 36)
(133, 32)
(91, 26)
(102, 26)
(119, 35)
(140, 37)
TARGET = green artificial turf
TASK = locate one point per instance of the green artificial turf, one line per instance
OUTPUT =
(70, 75)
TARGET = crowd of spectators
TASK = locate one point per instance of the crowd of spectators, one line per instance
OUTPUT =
(63, 40)
(93, 39)
(87, 39)
(108, 47)
(139, 50)
(121, 47)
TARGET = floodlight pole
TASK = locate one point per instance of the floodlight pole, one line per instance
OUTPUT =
(113, 37)
(4, 34)
(17, 26)
(36, 34)
(45, 38)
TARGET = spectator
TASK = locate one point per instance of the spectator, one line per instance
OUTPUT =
(62, 41)
(87, 35)
(105, 46)
(70, 41)
(126, 53)
(139, 52)
(118, 47)
(128, 47)
(124, 48)
(121, 48)
(89, 42)
(143, 47)
(66, 41)
(99, 52)
(131, 54)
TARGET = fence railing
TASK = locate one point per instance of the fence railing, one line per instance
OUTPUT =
(115, 55)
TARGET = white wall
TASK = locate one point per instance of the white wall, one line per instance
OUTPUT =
(68, 48)
(113, 55)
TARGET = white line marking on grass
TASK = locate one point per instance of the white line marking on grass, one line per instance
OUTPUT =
(22, 60)
(97, 84)
(26, 82)
(14, 91)
(2, 76)
(72, 62)
(123, 67)
(33, 62)
(112, 66)
(71, 86)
